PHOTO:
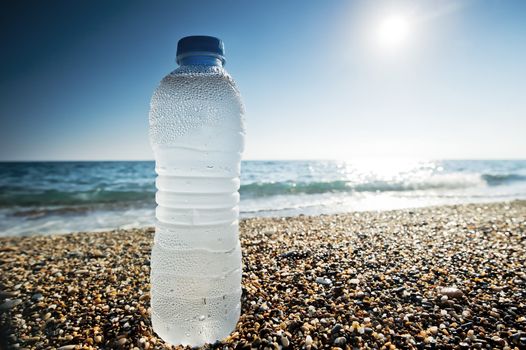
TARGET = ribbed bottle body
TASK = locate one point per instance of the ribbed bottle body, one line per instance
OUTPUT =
(197, 134)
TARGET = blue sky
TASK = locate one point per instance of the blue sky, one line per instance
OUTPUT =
(76, 77)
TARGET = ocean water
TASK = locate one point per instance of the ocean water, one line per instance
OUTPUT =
(60, 197)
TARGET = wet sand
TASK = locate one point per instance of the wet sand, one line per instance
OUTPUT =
(440, 277)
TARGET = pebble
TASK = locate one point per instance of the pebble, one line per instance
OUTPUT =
(451, 292)
(497, 340)
(263, 307)
(285, 341)
(324, 281)
(11, 303)
(37, 297)
(497, 288)
(433, 330)
(7, 294)
(308, 340)
(311, 310)
(340, 341)
(337, 327)
(360, 295)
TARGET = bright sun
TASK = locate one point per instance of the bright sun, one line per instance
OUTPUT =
(393, 32)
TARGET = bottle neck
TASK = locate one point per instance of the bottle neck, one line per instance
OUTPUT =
(201, 60)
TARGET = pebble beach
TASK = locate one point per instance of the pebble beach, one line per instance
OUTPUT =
(448, 277)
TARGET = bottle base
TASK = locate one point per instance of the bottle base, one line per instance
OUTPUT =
(195, 333)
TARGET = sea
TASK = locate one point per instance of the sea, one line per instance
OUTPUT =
(61, 197)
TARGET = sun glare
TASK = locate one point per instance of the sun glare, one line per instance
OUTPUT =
(388, 168)
(393, 31)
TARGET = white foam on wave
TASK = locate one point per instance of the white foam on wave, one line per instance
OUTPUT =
(91, 221)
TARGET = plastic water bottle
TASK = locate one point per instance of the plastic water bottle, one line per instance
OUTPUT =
(197, 135)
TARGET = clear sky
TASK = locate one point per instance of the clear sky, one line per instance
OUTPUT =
(320, 79)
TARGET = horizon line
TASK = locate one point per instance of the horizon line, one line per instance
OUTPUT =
(262, 159)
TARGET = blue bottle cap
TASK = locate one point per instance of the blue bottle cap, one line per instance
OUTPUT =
(200, 45)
